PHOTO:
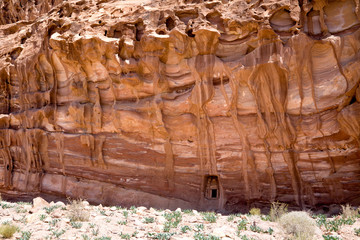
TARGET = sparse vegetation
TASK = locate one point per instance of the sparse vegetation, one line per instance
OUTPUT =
(58, 233)
(188, 211)
(149, 220)
(42, 217)
(56, 224)
(162, 236)
(85, 237)
(202, 236)
(172, 220)
(298, 224)
(94, 231)
(76, 225)
(49, 210)
(122, 222)
(209, 216)
(25, 235)
(124, 236)
(357, 231)
(230, 218)
(330, 237)
(199, 227)
(185, 228)
(242, 226)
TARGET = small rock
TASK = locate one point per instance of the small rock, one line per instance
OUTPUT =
(17, 217)
(161, 220)
(192, 219)
(195, 212)
(86, 203)
(60, 204)
(27, 207)
(113, 208)
(7, 219)
(33, 218)
(137, 223)
(140, 235)
(141, 209)
(152, 210)
(180, 238)
(99, 218)
(158, 228)
(178, 210)
(47, 220)
(5, 212)
(67, 220)
(128, 230)
(38, 204)
(57, 213)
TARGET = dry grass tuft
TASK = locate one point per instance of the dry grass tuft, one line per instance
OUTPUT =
(299, 224)
(277, 210)
(77, 211)
(349, 212)
(7, 230)
(255, 211)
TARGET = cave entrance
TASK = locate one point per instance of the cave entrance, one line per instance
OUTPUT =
(212, 187)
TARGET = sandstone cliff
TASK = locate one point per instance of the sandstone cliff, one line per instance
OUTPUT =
(203, 104)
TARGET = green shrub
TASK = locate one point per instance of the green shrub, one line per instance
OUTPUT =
(173, 220)
(25, 235)
(357, 231)
(242, 225)
(85, 237)
(298, 224)
(329, 237)
(188, 211)
(50, 209)
(76, 225)
(7, 230)
(255, 211)
(149, 220)
(185, 228)
(201, 236)
(277, 210)
(124, 236)
(231, 218)
(209, 216)
(161, 236)
(199, 227)
(255, 228)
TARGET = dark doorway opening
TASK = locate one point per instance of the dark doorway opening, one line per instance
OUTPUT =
(213, 193)
(211, 187)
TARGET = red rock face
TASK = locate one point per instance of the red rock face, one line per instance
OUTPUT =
(208, 105)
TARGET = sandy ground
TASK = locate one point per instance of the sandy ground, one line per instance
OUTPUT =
(42, 220)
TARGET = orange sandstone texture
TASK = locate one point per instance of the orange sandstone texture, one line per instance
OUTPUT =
(193, 104)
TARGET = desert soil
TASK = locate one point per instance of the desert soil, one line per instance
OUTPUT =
(43, 220)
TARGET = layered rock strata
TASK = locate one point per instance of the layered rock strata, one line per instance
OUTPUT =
(209, 105)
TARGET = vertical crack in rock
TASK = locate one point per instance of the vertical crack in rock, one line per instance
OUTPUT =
(160, 104)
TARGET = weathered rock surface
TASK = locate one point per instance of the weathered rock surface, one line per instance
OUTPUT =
(209, 105)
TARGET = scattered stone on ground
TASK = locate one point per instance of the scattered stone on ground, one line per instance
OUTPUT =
(43, 220)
